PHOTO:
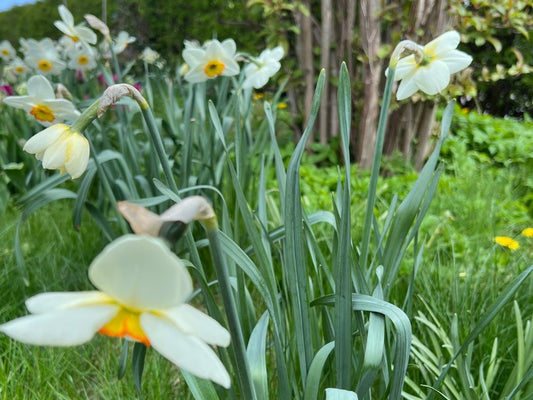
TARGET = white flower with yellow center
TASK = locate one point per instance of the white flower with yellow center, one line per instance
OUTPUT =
(43, 57)
(41, 103)
(149, 56)
(429, 69)
(7, 52)
(83, 58)
(61, 148)
(18, 67)
(260, 69)
(78, 33)
(122, 41)
(142, 290)
(215, 59)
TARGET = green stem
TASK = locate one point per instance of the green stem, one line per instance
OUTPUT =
(242, 368)
(374, 174)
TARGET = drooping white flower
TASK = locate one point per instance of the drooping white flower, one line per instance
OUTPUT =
(7, 51)
(142, 289)
(215, 59)
(429, 69)
(43, 57)
(61, 148)
(76, 33)
(260, 69)
(41, 103)
(122, 41)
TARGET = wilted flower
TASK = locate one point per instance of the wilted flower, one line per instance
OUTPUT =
(7, 52)
(143, 221)
(507, 242)
(59, 147)
(214, 60)
(99, 25)
(260, 69)
(76, 33)
(429, 69)
(142, 289)
(41, 104)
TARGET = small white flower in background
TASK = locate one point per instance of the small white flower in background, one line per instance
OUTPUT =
(41, 103)
(43, 57)
(83, 58)
(142, 289)
(430, 69)
(17, 67)
(149, 56)
(260, 69)
(61, 148)
(78, 33)
(7, 52)
(212, 60)
(122, 41)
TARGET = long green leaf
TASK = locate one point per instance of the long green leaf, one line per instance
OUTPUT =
(256, 352)
(315, 371)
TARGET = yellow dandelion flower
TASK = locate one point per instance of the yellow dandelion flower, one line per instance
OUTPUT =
(505, 241)
(528, 232)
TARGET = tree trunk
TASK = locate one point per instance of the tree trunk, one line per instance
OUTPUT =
(370, 33)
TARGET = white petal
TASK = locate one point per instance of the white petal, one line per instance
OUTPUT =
(445, 42)
(433, 78)
(25, 103)
(406, 88)
(232, 68)
(42, 140)
(406, 66)
(77, 155)
(64, 28)
(65, 15)
(46, 302)
(194, 322)
(86, 34)
(229, 46)
(54, 155)
(69, 327)
(189, 209)
(193, 56)
(187, 352)
(142, 273)
(41, 88)
(196, 74)
(456, 60)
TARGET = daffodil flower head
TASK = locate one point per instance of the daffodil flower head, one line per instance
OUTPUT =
(41, 103)
(142, 289)
(259, 70)
(216, 59)
(430, 67)
(61, 148)
(76, 33)
(43, 57)
(7, 52)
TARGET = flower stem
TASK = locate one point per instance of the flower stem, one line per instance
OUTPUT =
(242, 368)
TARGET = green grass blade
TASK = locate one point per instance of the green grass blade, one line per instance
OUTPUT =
(315, 371)
(256, 352)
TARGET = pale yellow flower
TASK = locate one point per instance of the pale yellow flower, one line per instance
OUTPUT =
(59, 147)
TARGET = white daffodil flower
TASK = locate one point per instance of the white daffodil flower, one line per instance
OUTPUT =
(122, 41)
(429, 69)
(149, 56)
(82, 58)
(43, 57)
(142, 289)
(260, 69)
(214, 60)
(61, 148)
(41, 103)
(7, 51)
(78, 33)
(17, 67)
